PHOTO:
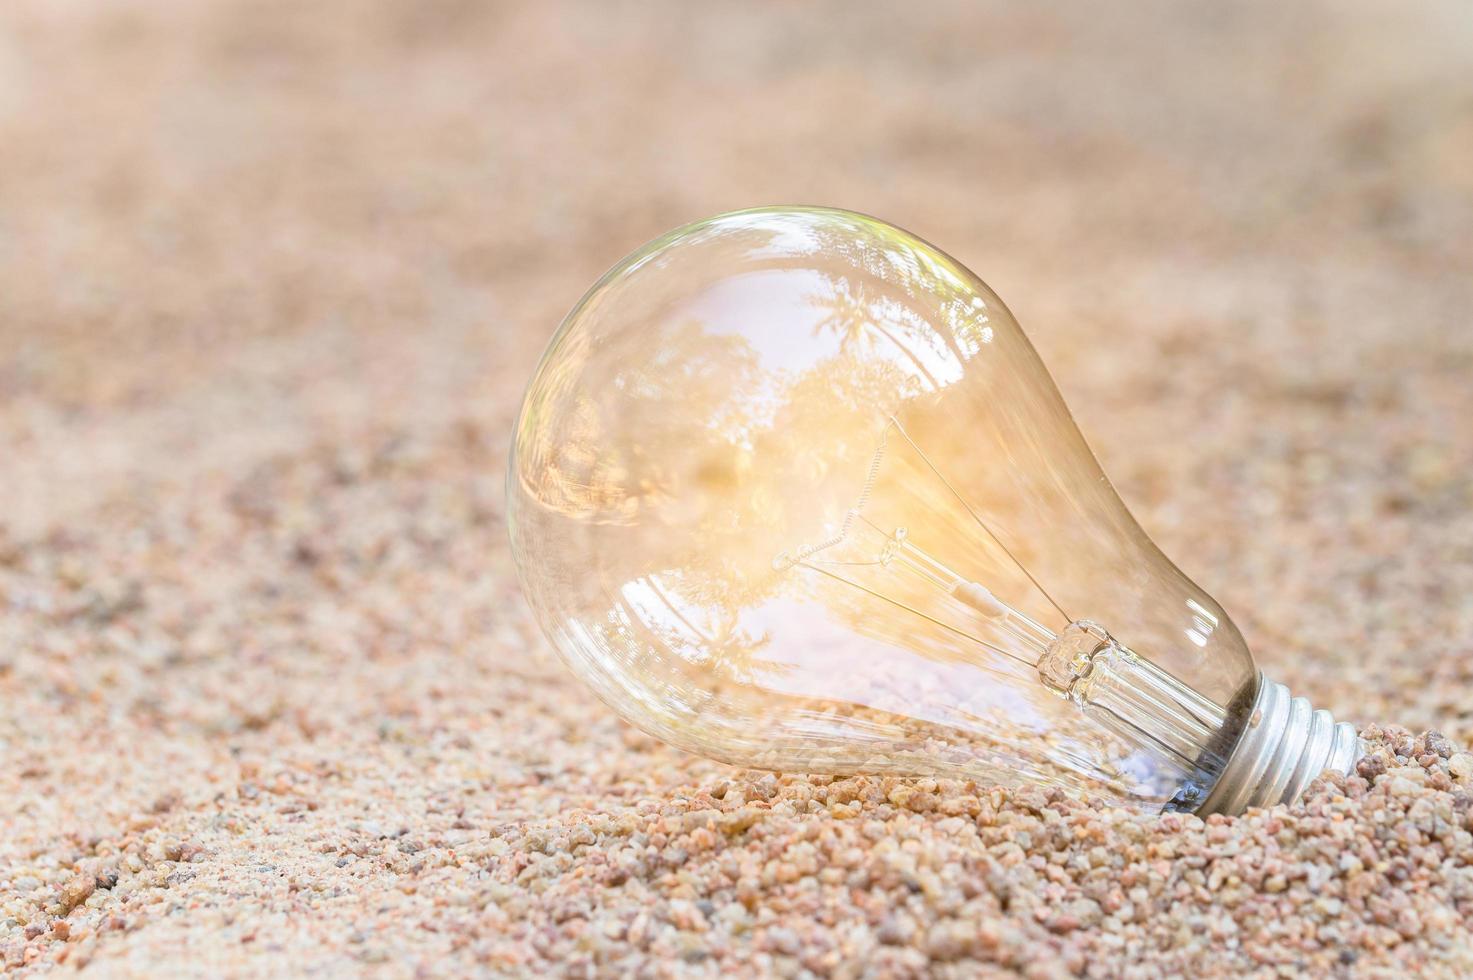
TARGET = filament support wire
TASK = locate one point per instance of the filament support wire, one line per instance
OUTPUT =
(787, 559)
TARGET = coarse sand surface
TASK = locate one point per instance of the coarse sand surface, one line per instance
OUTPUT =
(273, 275)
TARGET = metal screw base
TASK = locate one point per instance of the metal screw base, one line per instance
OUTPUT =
(1285, 745)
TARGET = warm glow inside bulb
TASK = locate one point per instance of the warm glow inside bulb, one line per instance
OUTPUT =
(791, 489)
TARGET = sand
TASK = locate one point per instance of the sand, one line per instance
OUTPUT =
(272, 277)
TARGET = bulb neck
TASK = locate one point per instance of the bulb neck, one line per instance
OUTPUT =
(1146, 708)
(1284, 746)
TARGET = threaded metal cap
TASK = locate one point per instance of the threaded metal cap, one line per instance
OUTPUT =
(1285, 745)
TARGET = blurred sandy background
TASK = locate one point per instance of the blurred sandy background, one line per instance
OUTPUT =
(272, 276)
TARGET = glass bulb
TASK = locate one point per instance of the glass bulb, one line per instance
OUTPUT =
(791, 489)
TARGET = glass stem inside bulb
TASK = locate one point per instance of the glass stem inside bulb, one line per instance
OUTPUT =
(1141, 704)
(1127, 695)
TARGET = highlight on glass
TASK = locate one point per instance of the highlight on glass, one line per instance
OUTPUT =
(791, 489)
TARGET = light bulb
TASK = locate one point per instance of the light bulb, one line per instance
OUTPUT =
(790, 489)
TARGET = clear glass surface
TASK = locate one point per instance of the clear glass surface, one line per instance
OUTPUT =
(791, 489)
